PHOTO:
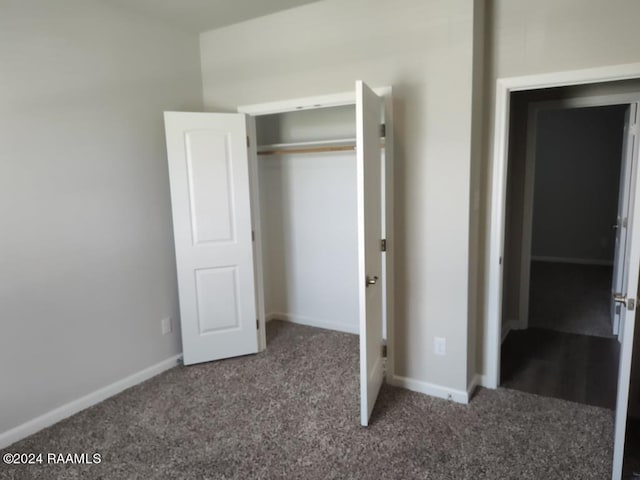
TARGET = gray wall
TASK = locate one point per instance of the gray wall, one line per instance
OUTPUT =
(578, 153)
(87, 267)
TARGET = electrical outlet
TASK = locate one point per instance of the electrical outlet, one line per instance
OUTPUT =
(440, 346)
(165, 324)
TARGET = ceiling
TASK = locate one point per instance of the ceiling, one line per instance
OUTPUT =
(201, 15)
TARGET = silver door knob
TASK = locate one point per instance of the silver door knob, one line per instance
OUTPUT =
(371, 280)
(620, 298)
(630, 303)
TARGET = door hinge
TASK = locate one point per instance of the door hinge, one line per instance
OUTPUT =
(253, 235)
(257, 324)
(383, 130)
(384, 350)
(248, 142)
(383, 245)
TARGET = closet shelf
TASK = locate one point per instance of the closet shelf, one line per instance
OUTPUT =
(336, 145)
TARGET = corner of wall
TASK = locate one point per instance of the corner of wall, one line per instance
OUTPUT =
(476, 156)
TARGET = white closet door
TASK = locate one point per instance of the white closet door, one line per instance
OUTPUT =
(619, 262)
(210, 196)
(369, 186)
(628, 299)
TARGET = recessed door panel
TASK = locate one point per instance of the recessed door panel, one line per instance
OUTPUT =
(212, 212)
(217, 300)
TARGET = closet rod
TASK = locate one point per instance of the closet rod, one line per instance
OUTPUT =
(283, 151)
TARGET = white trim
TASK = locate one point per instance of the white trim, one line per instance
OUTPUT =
(483, 381)
(256, 232)
(71, 408)
(587, 102)
(458, 396)
(307, 103)
(495, 251)
(389, 229)
(609, 73)
(313, 322)
(494, 270)
(577, 261)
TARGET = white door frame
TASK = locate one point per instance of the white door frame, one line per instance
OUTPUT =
(309, 103)
(533, 110)
(498, 168)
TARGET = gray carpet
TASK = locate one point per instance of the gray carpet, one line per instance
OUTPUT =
(571, 298)
(292, 412)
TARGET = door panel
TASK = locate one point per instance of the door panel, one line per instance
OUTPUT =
(621, 223)
(210, 196)
(369, 187)
(629, 289)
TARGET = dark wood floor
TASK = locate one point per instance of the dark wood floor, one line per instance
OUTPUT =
(571, 298)
(573, 367)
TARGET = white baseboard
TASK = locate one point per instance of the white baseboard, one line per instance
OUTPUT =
(314, 322)
(459, 396)
(578, 261)
(46, 420)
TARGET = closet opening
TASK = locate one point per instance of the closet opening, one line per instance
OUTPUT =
(308, 217)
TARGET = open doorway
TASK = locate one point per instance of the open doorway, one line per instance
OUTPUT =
(560, 329)
(590, 86)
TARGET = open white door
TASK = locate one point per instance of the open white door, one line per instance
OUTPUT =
(627, 298)
(210, 196)
(369, 180)
(619, 261)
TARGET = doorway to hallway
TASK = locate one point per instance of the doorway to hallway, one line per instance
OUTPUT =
(561, 244)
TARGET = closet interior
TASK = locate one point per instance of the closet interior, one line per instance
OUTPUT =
(308, 216)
